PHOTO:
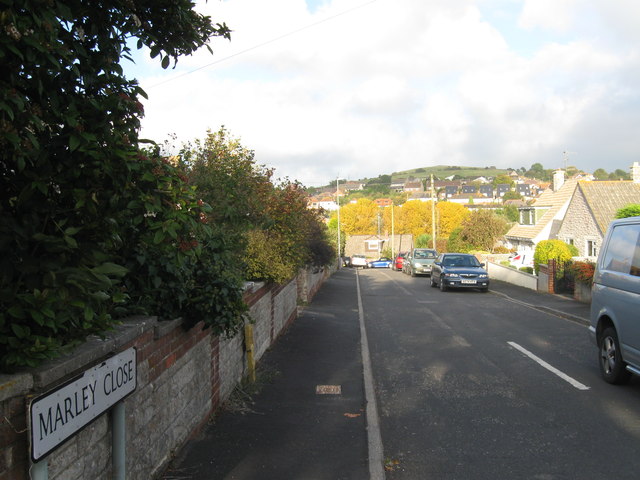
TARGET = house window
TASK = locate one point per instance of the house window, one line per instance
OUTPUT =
(592, 248)
(372, 245)
(527, 216)
(569, 241)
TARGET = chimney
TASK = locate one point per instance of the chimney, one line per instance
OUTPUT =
(558, 179)
(635, 172)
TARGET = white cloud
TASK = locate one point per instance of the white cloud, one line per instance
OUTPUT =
(359, 89)
(557, 15)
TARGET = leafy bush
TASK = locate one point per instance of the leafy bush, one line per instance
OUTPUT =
(632, 210)
(551, 249)
(424, 241)
(456, 242)
(481, 230)
(73, 187)
(583, 271)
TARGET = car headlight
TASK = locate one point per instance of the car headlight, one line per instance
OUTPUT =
(483, 275)
(416, 265)
(451, 275)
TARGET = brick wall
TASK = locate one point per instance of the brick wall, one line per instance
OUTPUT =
(182, 377)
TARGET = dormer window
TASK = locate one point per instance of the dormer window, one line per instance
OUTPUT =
(527, 216)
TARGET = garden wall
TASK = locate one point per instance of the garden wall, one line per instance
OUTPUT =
(511, 275)
(182, 378)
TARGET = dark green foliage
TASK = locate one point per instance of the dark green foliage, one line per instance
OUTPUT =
(74, 189)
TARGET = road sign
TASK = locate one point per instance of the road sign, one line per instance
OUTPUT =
(61, 413)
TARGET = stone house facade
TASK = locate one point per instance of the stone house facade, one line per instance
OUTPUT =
(592, 207)
(542, 220)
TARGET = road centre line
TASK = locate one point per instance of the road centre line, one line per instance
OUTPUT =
(376, 471)
(549, 367)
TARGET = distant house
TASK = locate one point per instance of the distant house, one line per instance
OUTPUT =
(352, 186)
(523, 189)
(486, 191)
(593, 206)
(397, 187)
(469, 189)
(383, 202)
(542, 219)
(324, 202)
(501, 189)
(470, 199)
(373, 245)
(422, 196)
(413, 186)
(450, 191)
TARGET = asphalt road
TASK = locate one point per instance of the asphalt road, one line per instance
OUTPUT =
(470, 385)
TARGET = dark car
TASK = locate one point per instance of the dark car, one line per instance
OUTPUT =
(459, 270)
(382, 262)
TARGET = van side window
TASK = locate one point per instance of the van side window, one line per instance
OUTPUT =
(623, 252)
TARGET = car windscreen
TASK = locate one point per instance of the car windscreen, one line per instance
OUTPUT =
(460, 261)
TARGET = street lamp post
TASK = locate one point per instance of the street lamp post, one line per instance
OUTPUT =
(338, 203)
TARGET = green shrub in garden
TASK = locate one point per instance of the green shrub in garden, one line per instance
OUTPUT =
(551, 249)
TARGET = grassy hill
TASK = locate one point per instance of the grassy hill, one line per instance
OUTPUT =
(443, 171)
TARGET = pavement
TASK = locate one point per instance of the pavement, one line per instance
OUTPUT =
(306, 416)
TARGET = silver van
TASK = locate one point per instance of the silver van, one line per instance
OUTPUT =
(615, 301)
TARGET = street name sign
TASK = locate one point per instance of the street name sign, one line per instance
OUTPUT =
(61, 413)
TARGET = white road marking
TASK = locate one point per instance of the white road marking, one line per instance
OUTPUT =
(549, 367)
(376, 460)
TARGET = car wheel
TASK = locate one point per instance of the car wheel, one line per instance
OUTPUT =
(443, 287)
(612, 368)
(433, 283)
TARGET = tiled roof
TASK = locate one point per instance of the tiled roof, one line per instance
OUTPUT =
(554, 201)
(607, 197)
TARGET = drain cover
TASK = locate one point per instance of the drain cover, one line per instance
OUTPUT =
(328, 390)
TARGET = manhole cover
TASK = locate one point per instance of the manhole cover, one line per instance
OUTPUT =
(328, 390)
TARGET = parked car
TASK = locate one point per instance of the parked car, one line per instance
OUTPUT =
(521, 259)
(359, 261)
(420, 261)
(459, 270)
(398, 263)
(382, 262)
(346, 261)
(615, 301)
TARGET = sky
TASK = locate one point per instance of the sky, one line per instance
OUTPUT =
(321, 89)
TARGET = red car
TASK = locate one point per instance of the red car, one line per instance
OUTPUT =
(397, 264)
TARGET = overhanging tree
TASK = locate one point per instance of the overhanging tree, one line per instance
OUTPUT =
(71, 174)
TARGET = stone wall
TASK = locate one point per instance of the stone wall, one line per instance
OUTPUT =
(183, 376)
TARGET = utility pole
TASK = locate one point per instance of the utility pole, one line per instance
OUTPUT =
(433, 213)
(393, 238)
(338, 203)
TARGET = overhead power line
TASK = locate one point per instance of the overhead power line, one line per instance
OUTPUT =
(267, 42)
